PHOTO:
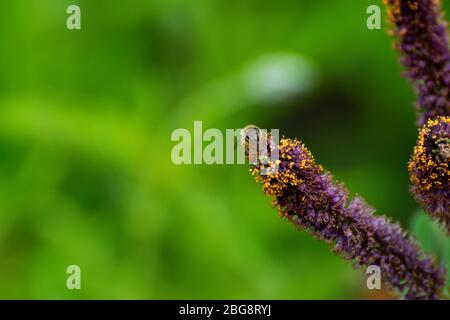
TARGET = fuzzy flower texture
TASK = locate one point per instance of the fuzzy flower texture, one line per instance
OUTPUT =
(306, 195)
(422, 39)
(429, 169)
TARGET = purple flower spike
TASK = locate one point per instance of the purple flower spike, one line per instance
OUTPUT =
(306, 195)
(423, 42)
(429, 169)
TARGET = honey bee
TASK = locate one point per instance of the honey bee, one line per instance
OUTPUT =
(251, 137)
(443, 148)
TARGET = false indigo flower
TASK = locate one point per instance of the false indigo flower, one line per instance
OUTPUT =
(306, 195)
(422, 39)
(429, 169)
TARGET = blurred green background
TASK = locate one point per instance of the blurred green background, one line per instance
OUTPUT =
(85, 123)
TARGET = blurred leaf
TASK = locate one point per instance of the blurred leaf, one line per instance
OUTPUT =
(432, 240)
(427, 232)
(446, 261)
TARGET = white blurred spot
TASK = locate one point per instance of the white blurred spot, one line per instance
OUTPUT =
(274, 78)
